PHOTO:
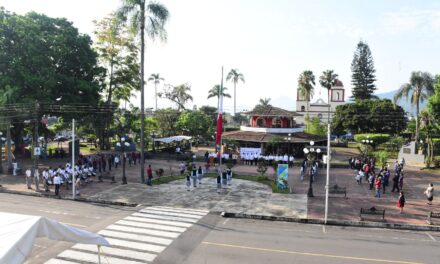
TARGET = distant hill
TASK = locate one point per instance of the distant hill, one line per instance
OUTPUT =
(405, 104)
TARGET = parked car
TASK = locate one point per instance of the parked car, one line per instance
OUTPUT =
(333, 137)
(348, 137)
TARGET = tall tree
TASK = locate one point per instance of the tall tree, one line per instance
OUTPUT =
(328, 80)
(144, 18)
(216, 91)
(179, 95)
(434, 101)
(306, 81)
(363, 73)
(428, 126)
(235, 76)
(156, 79)
(118, 54)
(420, 87)
(264, 102)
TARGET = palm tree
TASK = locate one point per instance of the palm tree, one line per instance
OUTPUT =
(235, 76)
(421, 88)
(144, 18)
(328, 80)
(156, 79)
(216, 91)
(264, 102)
(306, 81)
(427, 125)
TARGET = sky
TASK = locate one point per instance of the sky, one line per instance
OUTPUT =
(272, 42)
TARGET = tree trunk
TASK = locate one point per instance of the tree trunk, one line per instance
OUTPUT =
(9, 146)
(142, 167)
(155, 93)
(417, 122)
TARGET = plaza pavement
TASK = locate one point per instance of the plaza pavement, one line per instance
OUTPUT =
(253, 198)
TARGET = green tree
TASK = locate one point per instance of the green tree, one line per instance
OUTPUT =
(364, 116)
(420, 87)
(177, 94)
(434, 101)
(194, 123)
(315, 127)
(328, 80)
(156, 79)
(144, 18)
(216, 91)
(428, 126)
(118, 55)
(167, 121)
(235, 76)
(306, 81)
(264, 102)
(363, 73)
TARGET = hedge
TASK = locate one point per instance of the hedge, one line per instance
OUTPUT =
(377, 138)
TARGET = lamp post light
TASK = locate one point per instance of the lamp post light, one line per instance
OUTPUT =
(367, 142)
(122, 146)
(310, 152)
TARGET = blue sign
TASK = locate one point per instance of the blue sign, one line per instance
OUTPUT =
(282, 176)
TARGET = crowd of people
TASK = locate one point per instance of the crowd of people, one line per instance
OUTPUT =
(252, 159)
(380, 180)
(86, 167)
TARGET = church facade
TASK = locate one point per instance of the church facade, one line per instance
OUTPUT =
(320, 108)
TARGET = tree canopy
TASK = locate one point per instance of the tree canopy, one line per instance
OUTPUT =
(363, 73)
(366, 116)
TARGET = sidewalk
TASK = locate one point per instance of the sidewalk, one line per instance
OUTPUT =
(253, 198)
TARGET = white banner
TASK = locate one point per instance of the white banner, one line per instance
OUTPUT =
(250, 151)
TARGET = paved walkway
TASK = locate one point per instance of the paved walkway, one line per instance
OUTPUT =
(254, 198)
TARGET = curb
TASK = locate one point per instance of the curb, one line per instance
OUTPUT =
(367, 224)
(77, 199)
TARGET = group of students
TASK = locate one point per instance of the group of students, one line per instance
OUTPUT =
(314, 167)
(255, 158)
(63, 175)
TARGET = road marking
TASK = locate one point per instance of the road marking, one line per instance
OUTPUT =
(82, 226)
(64, 213)
(309, 254)
(183, 209)
(143, 231)
(227, 219)
(158, 212)
(135, 245)
(142, 256)
(60, 261)
(173, 218)
(152, 226)
(156, 221)
(175, 210)
(140, 238)
(431, 237)
(81, 256)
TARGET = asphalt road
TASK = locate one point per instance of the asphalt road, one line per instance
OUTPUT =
(213, 239)
(221, 240)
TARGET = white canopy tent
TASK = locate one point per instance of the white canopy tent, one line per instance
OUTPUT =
(18, 233)
(172, 139)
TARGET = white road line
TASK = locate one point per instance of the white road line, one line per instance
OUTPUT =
(431, 237)
(172, 218)
(145, 231)
(156, 221)
(60, 261)
(142, 256)
(153, 226)
(227, 219)
(71, 224)
(140, 238)
(178, 210)
(81, 256)
(155, 211)
(183, 209)
(135, 245)
(323, 229)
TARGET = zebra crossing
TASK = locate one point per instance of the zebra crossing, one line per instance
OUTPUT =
(138, 238)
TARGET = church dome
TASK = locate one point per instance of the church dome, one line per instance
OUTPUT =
(338, 83)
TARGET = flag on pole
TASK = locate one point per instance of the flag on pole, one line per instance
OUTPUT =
(218, 136)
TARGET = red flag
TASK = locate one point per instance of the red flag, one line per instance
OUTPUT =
(219, 121)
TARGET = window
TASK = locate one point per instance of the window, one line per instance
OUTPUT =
(303, 108)
(276, 123)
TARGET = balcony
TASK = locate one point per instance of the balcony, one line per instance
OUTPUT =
(272, 130)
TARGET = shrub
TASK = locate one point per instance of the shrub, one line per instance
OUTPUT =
(382, 157)
(377, 138)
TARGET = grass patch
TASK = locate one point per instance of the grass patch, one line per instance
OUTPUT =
(167, 179)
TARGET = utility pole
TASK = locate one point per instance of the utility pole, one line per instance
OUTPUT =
(73, 160)
(35, 166)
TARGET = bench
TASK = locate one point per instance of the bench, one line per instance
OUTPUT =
(371, 211)
(338, 190)
(432, 215)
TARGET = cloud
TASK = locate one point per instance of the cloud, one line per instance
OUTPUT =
(404, 21)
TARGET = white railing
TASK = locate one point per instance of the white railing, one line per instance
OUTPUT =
(272, 130)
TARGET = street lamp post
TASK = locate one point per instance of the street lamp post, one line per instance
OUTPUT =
(1, 152)
(122, 145)
(367, 142)
(288, 138)
(308, 151)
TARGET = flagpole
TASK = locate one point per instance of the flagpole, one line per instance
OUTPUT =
(221, 111)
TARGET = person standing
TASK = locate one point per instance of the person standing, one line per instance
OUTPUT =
(37, 179)
(57, 183)
(429, 192)
(386, 178)
(28, 178)
(401, 180)
(401, 202)
(14, 167)
(181, 168)
(200, 174)
(378, 184)
(396, 182)
(45, 180)
(149, 175)
(194, 175)
(116, 161)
